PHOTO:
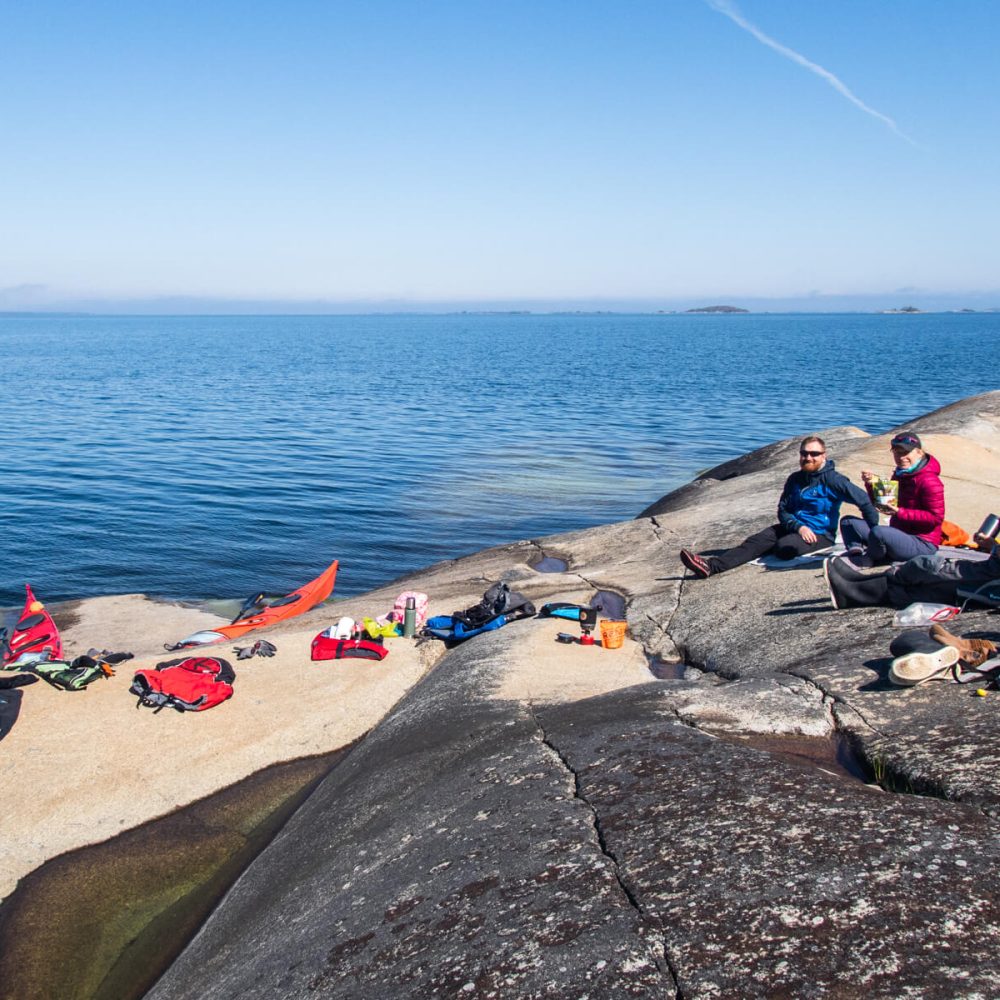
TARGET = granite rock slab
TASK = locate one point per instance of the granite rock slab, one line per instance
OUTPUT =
(768, 879)
(598, 849)
(448, 856)
(629, 844)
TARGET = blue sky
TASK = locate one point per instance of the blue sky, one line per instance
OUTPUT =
(445, 152)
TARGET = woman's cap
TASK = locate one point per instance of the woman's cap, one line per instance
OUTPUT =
(906, 441)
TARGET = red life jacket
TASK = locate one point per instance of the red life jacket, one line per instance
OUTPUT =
(326, 647)
(189, 685)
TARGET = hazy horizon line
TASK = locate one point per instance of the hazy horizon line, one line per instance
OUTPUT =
(41, 299)
(179, 306)
(694, 312)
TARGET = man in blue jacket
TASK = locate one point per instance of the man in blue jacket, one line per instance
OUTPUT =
(808, 514)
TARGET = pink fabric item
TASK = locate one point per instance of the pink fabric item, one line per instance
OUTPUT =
(399, 608)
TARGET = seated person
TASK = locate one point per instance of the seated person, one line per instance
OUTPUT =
(915, 526)
(934, 579)
(807, 515)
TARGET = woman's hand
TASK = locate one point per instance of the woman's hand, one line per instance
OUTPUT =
(867, 476)
(983, 542)
(886, 508)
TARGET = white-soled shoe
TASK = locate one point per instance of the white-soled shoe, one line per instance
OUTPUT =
(916, 668)
(835, 598)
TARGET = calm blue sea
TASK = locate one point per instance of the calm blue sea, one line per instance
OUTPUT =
(206, 457)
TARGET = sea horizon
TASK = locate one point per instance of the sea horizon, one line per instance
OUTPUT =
(513, 311)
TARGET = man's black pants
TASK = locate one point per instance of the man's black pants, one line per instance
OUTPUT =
(773, 539)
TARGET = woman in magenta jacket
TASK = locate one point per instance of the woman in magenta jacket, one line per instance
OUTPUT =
(914, 528)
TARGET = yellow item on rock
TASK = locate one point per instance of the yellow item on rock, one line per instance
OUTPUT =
(387, 631)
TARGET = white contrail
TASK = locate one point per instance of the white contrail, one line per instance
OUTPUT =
(729, 9)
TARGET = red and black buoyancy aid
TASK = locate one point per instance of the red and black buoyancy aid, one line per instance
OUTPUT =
(35, 633)
(326, 647)
(189, 685)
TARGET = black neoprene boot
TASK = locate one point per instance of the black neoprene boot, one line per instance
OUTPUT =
(851, 589)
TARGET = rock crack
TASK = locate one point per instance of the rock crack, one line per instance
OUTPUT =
(648, 921)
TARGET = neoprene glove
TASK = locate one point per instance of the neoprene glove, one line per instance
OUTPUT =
(260, 648)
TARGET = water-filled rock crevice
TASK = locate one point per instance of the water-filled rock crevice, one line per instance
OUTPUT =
(547, 561)
(549, 564)
(872, 749)
(866, 759)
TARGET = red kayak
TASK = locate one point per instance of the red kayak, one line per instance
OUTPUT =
(295, 603)
(35, 636)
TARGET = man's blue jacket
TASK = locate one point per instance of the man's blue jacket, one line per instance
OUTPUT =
(813, 499)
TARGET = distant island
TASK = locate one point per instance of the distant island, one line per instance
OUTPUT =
(905, 309)
(719, 309)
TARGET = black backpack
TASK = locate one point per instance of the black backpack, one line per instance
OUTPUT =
(498, 600)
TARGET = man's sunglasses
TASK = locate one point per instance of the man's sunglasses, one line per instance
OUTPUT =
(809, 454)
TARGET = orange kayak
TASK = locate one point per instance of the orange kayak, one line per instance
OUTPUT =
(295, 603)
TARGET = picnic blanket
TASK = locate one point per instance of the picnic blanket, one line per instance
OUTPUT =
(814, 558)
(809, 559)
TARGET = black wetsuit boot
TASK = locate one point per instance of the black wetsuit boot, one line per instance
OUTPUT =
(851, 589)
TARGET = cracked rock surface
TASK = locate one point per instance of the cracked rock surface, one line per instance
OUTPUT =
(771, 880)
(783, 707)
(533, 820)
(450, 856)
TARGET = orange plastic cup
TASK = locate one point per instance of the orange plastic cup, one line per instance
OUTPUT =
(613, 633)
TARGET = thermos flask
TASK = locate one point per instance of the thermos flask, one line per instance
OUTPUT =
(990, 526)
(410, 618)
